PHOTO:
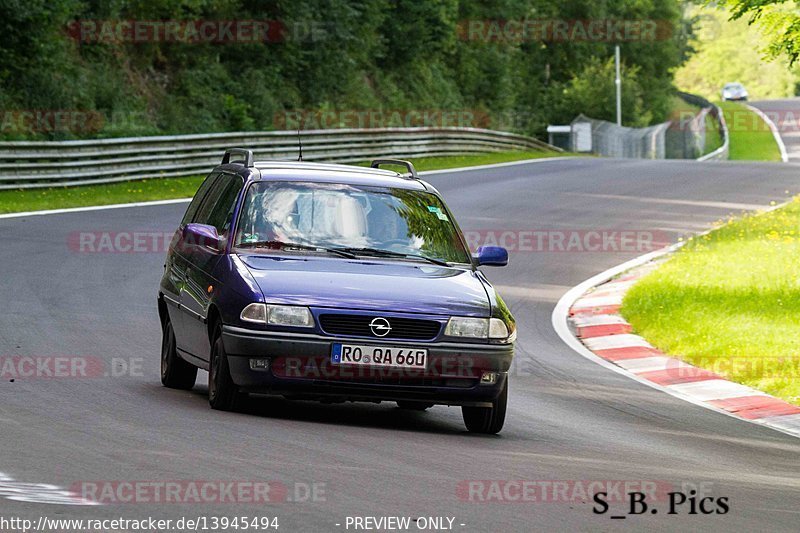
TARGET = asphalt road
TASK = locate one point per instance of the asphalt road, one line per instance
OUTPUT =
(569, 419)
(786, 116)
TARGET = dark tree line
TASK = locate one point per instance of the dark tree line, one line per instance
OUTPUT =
(326, 55)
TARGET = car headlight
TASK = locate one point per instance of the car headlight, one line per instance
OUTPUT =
(478, 328)
(497, 329)
(474, 328)
(254, 313)
(278, 315)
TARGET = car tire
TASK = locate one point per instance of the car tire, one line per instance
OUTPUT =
(175, 372)
(223, 393)
(411, 405)
(487, 420)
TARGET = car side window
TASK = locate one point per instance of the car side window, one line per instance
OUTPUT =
(207, 205)
(201, 193)
(218, 211)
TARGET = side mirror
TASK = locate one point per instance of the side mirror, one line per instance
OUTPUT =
(201, 235)
(491, 256)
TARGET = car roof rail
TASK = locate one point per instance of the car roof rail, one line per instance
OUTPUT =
(412, 172)
(246, 154)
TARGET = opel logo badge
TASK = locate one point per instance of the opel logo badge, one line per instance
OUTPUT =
(380, 326)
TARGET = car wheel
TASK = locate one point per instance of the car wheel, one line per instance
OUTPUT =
(414, 406)
(487, 420)
(175, 372)
(223, 394)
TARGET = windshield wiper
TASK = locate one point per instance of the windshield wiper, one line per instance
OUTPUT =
(281, 245)
(389, 253)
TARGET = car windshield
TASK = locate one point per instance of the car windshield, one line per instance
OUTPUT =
(358, 219)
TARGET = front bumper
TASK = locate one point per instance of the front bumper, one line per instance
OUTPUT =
(300, 367)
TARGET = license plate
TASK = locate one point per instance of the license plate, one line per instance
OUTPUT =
(389, 356)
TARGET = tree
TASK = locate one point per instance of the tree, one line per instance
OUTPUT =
(778, 19)
(727, 51)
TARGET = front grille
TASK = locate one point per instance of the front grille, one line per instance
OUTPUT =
(358, 325)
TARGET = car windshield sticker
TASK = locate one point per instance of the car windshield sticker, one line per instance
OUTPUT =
(438, 212)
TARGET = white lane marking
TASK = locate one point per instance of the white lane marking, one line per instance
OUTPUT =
(590, 302)
(501, 165)
(583, 321)
(789, 423)
(93, 208)
(715, 389)
(672, 201)
(651, 364)
(609, 342)
(182, 200)
(38, 493)
(774, 129)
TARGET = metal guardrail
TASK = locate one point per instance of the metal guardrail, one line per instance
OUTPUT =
(33, 164)
(675, 139)
(610, 140)
(686, 136)
(721, 153)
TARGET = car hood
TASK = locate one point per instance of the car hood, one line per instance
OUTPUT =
(400, 286)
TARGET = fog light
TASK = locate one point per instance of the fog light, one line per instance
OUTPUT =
(488, 378)
(259, 364)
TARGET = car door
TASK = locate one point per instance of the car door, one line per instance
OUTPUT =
(216, 210)
(176, 263)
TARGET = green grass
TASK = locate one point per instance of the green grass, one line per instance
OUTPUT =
(14, 201)
(680, 109)
(454, 161)
(729, 301)
(751, 138)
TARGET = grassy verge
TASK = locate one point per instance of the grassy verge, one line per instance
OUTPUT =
(729, 301)
(455, 161)
(751, 138)
(14, 201)
(680, 109)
